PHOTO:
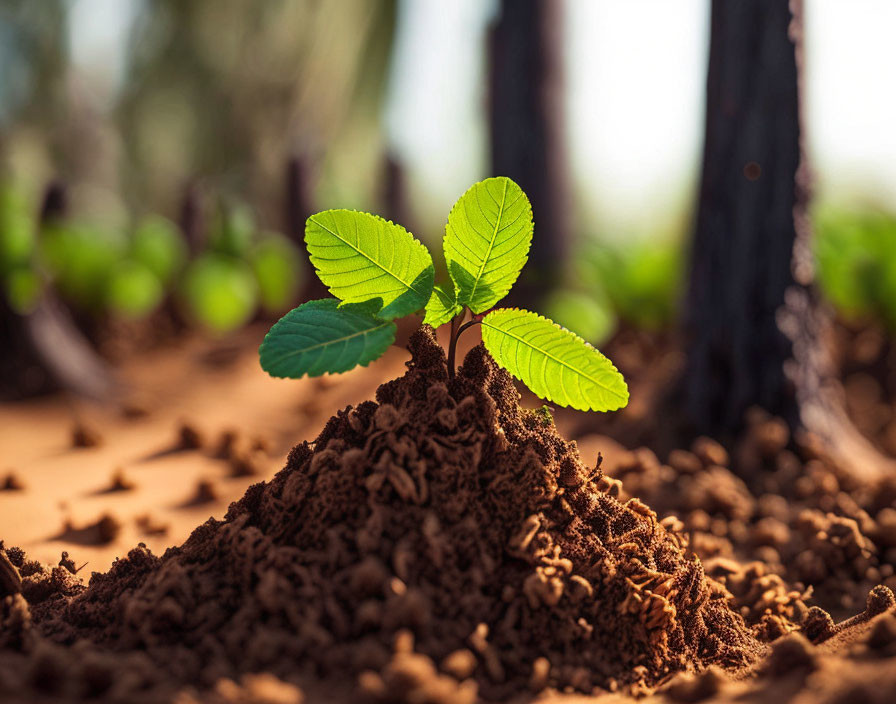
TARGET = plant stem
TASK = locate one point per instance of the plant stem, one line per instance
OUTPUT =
(456, 330)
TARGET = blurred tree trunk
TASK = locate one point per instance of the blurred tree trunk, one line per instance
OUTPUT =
(299, 206)
(44, 350)
(394, 194)
(754, 330)
(526, 130)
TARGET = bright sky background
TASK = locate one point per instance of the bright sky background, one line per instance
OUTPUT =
(97, 42)
(635, 76)
(850, 97)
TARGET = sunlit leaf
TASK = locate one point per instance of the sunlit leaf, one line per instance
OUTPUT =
(554, 363)
(487, 241)
(442, 306)
(322, 336)
(360, 257)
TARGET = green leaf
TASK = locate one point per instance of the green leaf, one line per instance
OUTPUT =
(322, 337)
(442, 306)
(554, 363)
(487, 241)
(360, 257)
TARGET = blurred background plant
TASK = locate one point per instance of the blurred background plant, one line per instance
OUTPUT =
(188, 135)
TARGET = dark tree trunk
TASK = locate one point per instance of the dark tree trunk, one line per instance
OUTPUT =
(299, 205)
(394, 196)
(44, 350)
(298, 198)
(754, 329)
(191, 219)
(526, 130)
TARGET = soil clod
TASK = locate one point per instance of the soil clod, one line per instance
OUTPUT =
(102, 531)
(204, 493)
(85, 436)
(11, 482)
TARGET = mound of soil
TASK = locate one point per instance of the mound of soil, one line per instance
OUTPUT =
(786, 527)
(438, 545)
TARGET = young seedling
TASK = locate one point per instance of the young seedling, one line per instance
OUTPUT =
(379, 272)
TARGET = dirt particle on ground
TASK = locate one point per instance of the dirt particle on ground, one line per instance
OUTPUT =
(119, 482)
(882, 636)
(102, 531)
(792, 652)
(84, 435)
(134, 410)
(11, 482)
(227, 445)
(150, 526)
(818, 625)
(189, 437)
(204, 493)
(695, 687)
(245, 464)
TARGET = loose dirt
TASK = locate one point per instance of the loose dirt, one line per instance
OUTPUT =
(438, 544)
(442, 545)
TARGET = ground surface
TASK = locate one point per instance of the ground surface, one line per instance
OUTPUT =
(211, 386)
(167, 439)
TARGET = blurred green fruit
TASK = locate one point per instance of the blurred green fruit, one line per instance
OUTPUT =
(23, 290)
(588, 315)
(220, 292)
(133, 290)
(158, 245)
(278, 271)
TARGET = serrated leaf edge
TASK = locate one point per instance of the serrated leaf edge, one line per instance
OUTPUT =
(623, 397)
(267, 337)
(415, 242)
(485, 259)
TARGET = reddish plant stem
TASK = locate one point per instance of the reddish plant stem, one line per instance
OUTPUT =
(456, 330)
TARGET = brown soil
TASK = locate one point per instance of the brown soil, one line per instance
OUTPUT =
(786, 526)
(444, 546)
(437, 543)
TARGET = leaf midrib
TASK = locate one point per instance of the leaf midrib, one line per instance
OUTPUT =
(335, 341)
(491, 243)
(368, 257)
(556, 359)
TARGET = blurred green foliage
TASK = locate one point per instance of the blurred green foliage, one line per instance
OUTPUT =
(159, 246)
(16, 230)
(240, 270)
(132, 290)
(105, 271)
(79, 259)
(589, 315)
(278, 271)
(855, 253)
(640, 281)
(219, 291)
(232, 229)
